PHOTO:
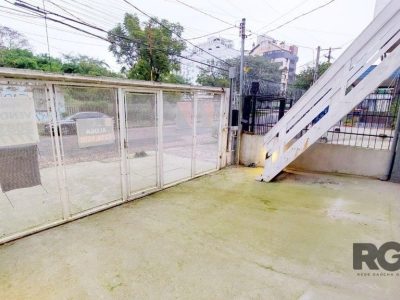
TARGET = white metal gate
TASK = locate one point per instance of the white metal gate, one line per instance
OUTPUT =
(99, 144)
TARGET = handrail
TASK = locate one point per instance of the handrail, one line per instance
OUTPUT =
(337, 92)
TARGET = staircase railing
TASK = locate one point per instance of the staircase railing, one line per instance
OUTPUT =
(343, 86)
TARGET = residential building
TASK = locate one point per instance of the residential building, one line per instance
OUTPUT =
(206, 52)
(278, 52)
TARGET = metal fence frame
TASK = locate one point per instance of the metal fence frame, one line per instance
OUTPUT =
(364, 122)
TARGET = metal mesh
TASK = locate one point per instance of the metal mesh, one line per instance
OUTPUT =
(177, 136)
(369, 125)
(90, 148)
(19, 167)
(207, 132)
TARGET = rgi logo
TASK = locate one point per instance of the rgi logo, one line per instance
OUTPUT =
(387, 256)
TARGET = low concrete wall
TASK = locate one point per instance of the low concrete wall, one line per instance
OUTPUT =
(324, 158)
(252, 150)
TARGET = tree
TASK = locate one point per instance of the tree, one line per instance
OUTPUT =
(148, 52)
(213, 77)
(260, 68)
(256, 68)
(12, 39)
(86, 65)
(305, 78)
(25, 59)
(174, 78)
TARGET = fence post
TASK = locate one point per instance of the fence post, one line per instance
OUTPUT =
(394, 169)
(255, 87)
(282, 106)
(56, 137)
(194, 132)
(123, 143)
(253, 113)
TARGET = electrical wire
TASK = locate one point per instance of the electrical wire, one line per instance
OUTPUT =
(284, 14)
(212, 33)
(300, 16)
(20, 12)
(172, 31)
(270, 6)
(65, 10)
(92, 15)
(32, 8)
(214, 17)
(47, 35)
(41, 25)
(206, 13)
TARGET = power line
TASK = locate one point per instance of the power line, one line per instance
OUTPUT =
(89, 14)
(284, 14)
(41, 25)
(300, 16)
(92, 9)
(211, 16)
(45, 12)
(222, 11)
(212, 33)
(206, 13)
(118, 10)
(47, 35)
(172, 31)
(62, 40)
(270, 6)
(65, 10)
(19, 11)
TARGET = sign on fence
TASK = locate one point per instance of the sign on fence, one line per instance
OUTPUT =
(95, 132)
(17, 118)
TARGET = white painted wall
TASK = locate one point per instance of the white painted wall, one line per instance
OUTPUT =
(344, 160)
(324, 158)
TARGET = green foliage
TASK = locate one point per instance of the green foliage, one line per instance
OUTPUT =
(260, 68)
(174, 78)
(305, 79)
(214, 77)
(25, 59)
(153, 53)
(78, 99)
(82, 64)
(256, 68)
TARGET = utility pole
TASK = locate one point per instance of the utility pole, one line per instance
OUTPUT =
(243, 37)
(316, 70)
(241, 85)
(329, 55)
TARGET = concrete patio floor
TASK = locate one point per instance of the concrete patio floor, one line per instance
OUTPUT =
(221, 236)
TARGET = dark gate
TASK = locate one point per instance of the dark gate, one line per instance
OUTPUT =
(264, 104)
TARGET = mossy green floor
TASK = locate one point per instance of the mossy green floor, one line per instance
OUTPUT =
(221, 236)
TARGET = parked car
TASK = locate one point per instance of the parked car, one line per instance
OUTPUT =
(67, 126)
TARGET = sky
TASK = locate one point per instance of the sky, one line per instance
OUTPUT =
(335, 25)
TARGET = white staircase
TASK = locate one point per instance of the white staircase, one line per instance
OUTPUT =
(339, 90)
